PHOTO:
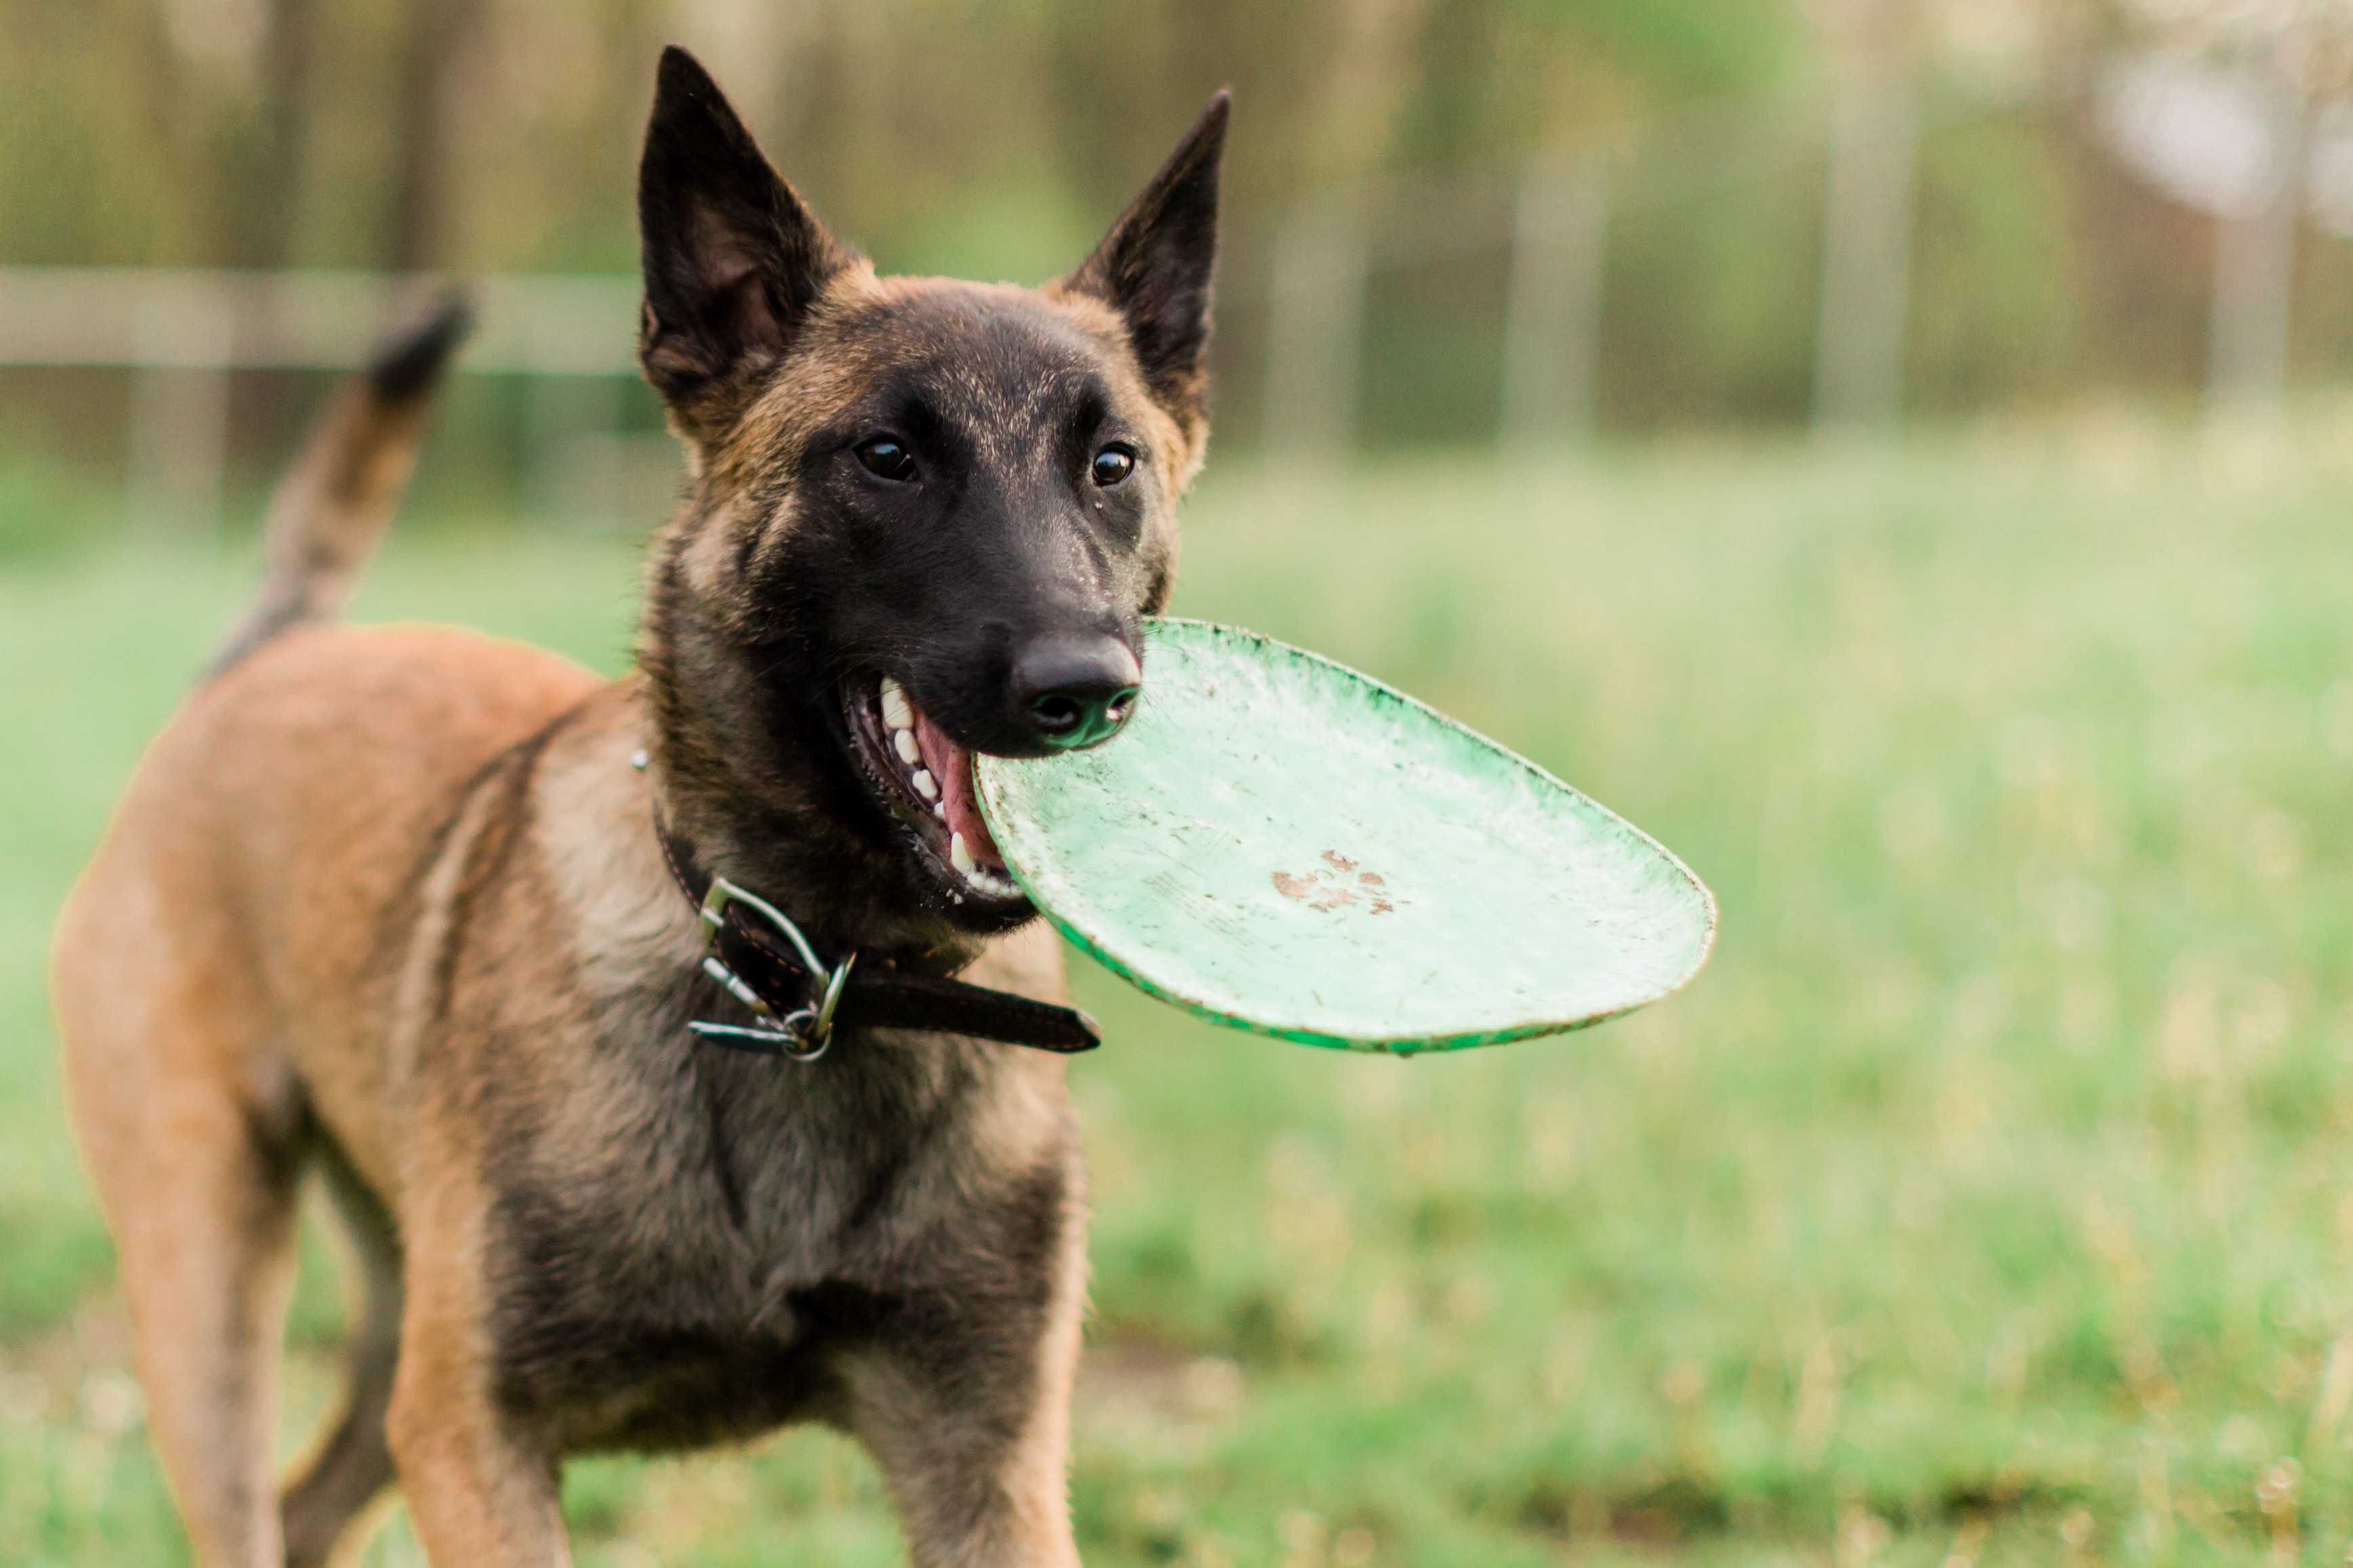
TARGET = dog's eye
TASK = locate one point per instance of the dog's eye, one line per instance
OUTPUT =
(1114, 464)
(887, 460)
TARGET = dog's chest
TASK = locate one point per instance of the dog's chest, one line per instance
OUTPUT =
(741, 1225)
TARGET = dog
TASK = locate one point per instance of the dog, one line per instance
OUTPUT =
(464, 928)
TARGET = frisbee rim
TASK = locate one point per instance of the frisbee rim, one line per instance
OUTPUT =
(988, 772)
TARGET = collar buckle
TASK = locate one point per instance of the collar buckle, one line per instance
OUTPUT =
(801, 1035)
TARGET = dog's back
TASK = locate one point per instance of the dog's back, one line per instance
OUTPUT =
(305, 773)
(300, 790)
(236, 916)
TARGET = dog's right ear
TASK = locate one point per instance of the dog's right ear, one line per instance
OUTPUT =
(733, 258)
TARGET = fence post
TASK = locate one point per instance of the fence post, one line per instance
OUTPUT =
(1874, 138)
(181, 349)
(2254, 285)
(1315, 328)
(1552, 321)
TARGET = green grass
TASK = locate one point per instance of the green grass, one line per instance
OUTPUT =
(1990, 1195)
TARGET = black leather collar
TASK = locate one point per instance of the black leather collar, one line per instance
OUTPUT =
(768, 969)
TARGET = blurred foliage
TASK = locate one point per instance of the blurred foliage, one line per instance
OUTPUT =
(996, 137)
(997, 140)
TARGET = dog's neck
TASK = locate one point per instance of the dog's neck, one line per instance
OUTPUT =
(747, 768)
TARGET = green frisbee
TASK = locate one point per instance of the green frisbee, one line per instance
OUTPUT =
(1279, 843)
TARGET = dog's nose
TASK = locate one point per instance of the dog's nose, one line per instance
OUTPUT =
(1074, 692)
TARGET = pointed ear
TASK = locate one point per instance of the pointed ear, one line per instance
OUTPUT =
(733, 257)
(1154, 268)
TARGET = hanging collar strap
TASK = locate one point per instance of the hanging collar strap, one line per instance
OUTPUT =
(756, 953)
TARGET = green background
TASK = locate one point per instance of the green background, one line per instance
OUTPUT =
(1987, 1195)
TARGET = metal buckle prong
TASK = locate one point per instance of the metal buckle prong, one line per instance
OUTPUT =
(736, 988)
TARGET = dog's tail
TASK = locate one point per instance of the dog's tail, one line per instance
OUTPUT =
(338, 499)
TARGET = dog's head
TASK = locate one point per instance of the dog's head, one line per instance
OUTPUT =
(926, 518)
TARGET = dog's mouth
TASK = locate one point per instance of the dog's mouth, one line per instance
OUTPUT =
(925, 780)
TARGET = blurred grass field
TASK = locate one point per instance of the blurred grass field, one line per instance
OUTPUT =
(1989, 1198)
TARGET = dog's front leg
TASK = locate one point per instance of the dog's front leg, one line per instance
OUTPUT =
(975, 1466)
(966, 1407)
(482, 1493)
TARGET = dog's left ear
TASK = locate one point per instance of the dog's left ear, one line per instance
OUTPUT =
(733, 258)
(1154, 268)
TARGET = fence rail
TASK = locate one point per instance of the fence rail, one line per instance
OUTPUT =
(182, 332)
(154, 318)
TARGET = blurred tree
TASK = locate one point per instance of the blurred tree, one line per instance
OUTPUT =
(439, 32)
(1680, 49)
(999, 139)
(2244, 133)
(264, 211)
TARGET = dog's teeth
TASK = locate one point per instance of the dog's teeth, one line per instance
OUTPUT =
(925, 785)
(909, 753)
(959, 857)
(897, 711)
(990, 882)
(940, 809)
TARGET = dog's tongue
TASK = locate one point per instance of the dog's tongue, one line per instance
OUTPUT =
(951, 768)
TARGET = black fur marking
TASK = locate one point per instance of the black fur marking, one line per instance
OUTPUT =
(354, 1463)
(623, 1319)
(407, 368)
(733, 257)
(723, 1150)
(313, 549)
(505, 826)
(397, 927)
(606, 1348)
(1003, 537)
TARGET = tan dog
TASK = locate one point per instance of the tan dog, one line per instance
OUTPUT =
(391, 904)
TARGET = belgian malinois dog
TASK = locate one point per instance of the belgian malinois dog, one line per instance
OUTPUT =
(465, 929)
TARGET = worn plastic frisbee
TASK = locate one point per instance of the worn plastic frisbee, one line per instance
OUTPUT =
(1279, 843)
